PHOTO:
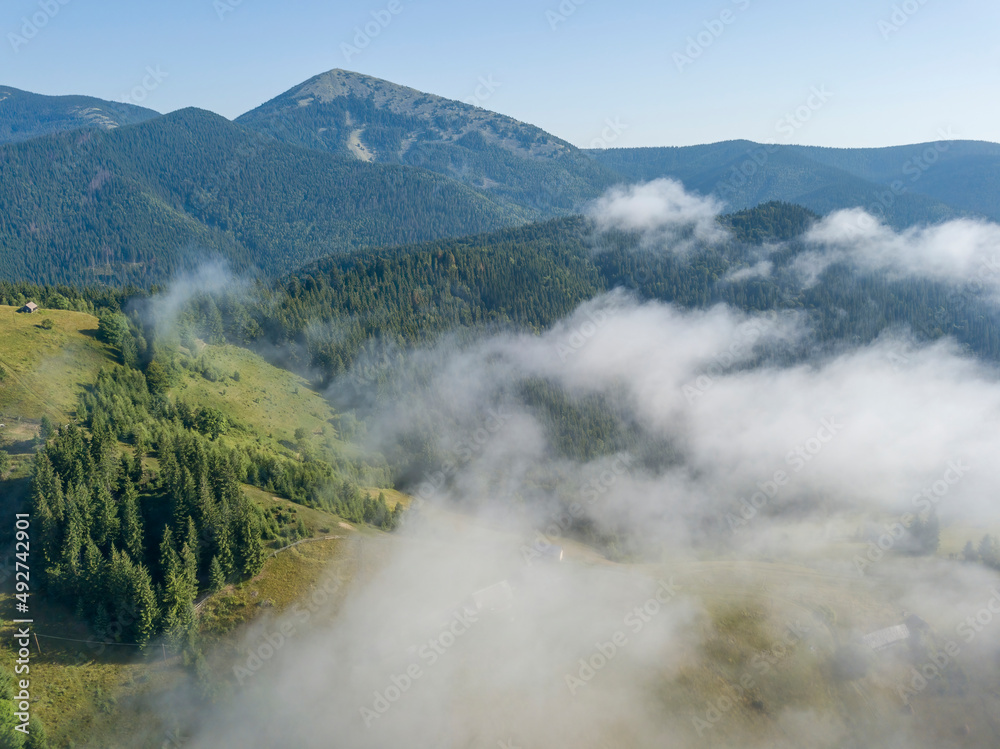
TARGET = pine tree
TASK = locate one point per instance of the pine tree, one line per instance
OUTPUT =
(106, 522)
(185, 500)
(140, 439)
(103, 455)
(211, 321)
(249, 548)
(47, 507)
(73, 541)
(130, 521)
(178, 616)
(120, 571)
(217, 578)
(207, 509)
(397, 516)
(46, 429)
(130, 469)
(178, 592)
(144, 602)
(169, 561)
(157, 377)
(224, 546)
(94, 574)
(102, 621)
(79, 496)
(129, 354)
(189, 555)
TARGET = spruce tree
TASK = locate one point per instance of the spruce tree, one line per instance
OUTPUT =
(45, 504)
(189, 555)
(46, 429)
(94, 575)
(169, 561)
(178, 611)
(130, 521)
(129, 354)
(249, 548)
(144, 602)
(217, 578)
(106, 522)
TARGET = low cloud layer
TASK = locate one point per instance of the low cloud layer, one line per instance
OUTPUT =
(209, 278)
(593, 653)
(457, 642)
(662, 209)
(709, 580)
(669, 218)
(962, 251)
(889, 416)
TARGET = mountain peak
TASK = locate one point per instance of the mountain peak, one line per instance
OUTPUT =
(346, 84)
(339, 82)
(336, 87)
(369, 119)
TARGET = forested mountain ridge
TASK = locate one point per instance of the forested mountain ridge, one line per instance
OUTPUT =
(374, 120)
(324, 314)
(24, 115)
(350, 310)
(136, 204)
(346, 162)
(919, 183)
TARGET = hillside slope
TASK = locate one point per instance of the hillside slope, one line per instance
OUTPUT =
(41, 370)
(86, 675)
(138, 203)
(24, 115)
(374, 120)
(528, 277)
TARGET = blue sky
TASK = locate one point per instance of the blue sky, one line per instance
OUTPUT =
(597, 73)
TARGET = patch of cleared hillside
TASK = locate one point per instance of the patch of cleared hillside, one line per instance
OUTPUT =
(263, 403)
(44, 370)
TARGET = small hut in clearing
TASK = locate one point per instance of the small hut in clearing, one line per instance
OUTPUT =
(29, 308)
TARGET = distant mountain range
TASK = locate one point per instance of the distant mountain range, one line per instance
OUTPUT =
(104, 191)
(24, 115)
(919, 183)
